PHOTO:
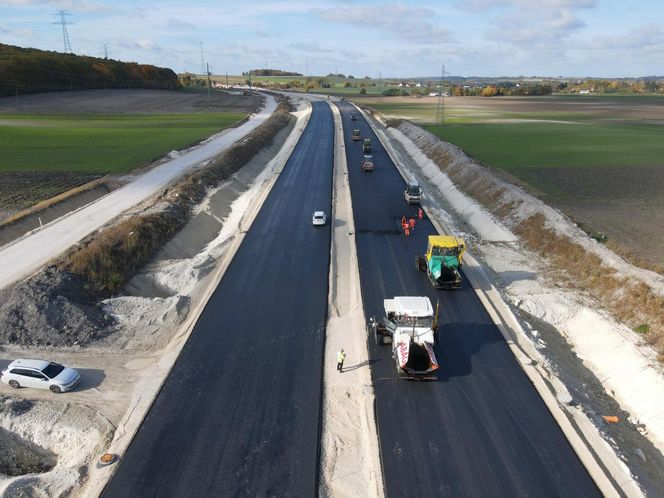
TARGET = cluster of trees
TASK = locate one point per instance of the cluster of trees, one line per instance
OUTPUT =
(513, 89)
(270, 72)
(653, 85)
(28, 70)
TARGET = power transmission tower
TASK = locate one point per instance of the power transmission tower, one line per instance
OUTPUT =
(441, 101)
(63, 22)
(105, 50)
(202, 60)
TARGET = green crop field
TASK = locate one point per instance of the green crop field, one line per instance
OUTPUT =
(517, 146)
(107, 143)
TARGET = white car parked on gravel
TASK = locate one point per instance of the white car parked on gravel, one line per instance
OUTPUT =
(319, 218)
(41, 374)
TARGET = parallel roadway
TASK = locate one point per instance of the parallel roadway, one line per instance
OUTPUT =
(239, 413)
(481, 429)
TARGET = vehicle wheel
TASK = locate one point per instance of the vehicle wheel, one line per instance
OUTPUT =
(55, 389)
(13, 384)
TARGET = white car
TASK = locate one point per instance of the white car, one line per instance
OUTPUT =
(41, 374)
(319, 218)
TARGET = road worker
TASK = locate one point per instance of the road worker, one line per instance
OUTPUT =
(420, 213)
(411, 223)
(341, 356)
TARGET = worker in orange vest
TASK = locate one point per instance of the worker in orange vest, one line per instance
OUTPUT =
(420, 213)
(411, 223)
(403, 221)
(406, 229)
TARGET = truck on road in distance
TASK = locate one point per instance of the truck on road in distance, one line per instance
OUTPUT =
(367, 163)
(356, 135)
(413, 193)
(353, 116)
(442, 261)
(411, 326)
(366, 146)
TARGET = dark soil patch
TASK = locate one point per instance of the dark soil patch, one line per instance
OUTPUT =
(53, 308)
(21, 190)
(20, 457)
(15, 229)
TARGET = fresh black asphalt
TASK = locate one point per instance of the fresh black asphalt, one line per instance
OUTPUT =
(239, 414)
(481, 429)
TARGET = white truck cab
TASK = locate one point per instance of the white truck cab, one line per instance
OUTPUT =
(410, 323)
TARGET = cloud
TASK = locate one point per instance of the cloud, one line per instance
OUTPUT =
(643, 38)
(179, 25)
(405, 22)
(310, 47)
(22, 33)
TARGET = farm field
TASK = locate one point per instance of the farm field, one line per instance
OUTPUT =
(598, 159)
(52, 143)
(105, 143)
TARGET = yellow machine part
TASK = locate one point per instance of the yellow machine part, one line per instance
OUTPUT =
(445, 241)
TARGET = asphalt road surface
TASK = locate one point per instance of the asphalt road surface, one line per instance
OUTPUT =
(239, 413)
(481, 429)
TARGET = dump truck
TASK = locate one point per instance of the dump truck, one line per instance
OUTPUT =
(367, 163)
(411, 326)
(442, 261)
(366, 146)
(356, 135)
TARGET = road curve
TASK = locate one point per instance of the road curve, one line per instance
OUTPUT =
(239, 413)
(26, 255)
(481, 429)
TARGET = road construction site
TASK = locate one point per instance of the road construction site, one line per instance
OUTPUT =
(224, 347)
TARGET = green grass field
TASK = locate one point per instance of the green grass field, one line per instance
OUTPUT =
(516, 146)
(109, 143)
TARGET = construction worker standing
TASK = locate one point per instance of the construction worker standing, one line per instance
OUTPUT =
(341, 356)
(420, 213)
(411, 223)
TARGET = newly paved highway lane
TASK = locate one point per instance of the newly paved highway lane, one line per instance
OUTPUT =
(481, 429)
(239, 413)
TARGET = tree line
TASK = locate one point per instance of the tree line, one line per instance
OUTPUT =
(29, 70)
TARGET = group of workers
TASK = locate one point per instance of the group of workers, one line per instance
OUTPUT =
(408, 224)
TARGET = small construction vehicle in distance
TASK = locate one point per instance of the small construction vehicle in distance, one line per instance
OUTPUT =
(356, 135)
(366, 146)
(367, 163)
(413, 193)
(411, 326)
(353, 116)
(442, 261)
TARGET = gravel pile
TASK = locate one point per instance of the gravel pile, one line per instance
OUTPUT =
(52, 308)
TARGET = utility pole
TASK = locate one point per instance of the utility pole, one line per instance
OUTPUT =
(209, 86)
(226, 80)
(63, 22)
(441, 101)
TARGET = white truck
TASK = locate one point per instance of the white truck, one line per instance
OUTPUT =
(410, 324)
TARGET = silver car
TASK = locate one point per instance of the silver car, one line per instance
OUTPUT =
(41, 374)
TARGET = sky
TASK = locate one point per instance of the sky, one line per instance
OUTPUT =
(570, 38)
